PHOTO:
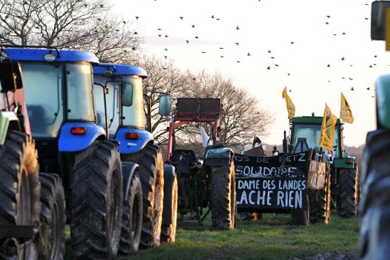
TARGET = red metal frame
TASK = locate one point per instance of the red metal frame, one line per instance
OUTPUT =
(176, 122)
(214, 122)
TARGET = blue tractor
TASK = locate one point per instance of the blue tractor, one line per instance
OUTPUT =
(130, 125)
(60, 104)
(30, 201)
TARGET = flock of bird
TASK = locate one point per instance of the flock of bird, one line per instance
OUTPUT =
(270, 53)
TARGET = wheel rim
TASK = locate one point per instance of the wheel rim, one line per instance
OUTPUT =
(136, 215)
(55, 231)
(174, 210)
(157, 210)
(26, 250)
(113, 216)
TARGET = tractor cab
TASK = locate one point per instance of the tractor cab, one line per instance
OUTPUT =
(58, 87)
(127, 121)
(309, 127)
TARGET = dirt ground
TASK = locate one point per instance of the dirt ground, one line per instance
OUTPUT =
(332, 256)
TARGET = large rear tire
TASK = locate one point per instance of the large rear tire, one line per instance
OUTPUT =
(347, 197)
(96, 202)
(168, 232)
(374, 208)
(19, 190)
(132, 218)
(152, 179)
(53, 217)
(223, 197)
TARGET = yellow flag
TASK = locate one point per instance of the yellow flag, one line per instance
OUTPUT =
(328, 129)
(289, 104)
(345, 110)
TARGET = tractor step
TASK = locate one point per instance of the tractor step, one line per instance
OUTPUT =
(18, 232)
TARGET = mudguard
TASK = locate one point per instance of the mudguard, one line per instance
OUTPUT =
(349, 162)
(69, 142)
(7, 119)
(127, 146)
(218, 156)
(128, 170)
(383, 101)
(169, 178)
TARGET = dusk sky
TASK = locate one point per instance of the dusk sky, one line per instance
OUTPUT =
(315, 48)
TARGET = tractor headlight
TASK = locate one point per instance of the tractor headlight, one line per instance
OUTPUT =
(49, 57)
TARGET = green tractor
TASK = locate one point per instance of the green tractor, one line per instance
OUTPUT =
(344, 169)
(374, 206)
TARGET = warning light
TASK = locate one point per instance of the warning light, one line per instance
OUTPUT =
(132, 136)
(349, 161)
(78, 130)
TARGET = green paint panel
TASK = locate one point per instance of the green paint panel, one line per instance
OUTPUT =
(342, 162)
(310, 120)
(219, 153)
(383, 100)
(5, 119)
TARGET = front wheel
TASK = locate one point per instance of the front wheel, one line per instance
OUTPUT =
(302, 216)
(168, 232)
(19, 191)
(96, 202)
(132, 218)
(347, 197)
(223, 196)
(53, 217)
(374, 208)
(151, 170)
(320, 204)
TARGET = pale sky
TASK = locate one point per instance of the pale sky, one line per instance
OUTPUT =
(300, 41)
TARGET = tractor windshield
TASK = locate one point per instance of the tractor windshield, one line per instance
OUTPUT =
(43, 94)
(43, 84)
(124, 93)
(312, 134)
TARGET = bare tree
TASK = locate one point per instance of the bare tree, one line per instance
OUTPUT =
(241, 116)
(74, 24)
(163, 77)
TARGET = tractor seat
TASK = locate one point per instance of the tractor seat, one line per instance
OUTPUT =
(184, 160)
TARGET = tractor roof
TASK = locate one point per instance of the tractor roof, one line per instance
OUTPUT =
(119, 69)
(310, 120)
(23, 54)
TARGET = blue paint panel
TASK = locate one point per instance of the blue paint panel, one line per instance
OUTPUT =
(73, 143)
(119, 69)
(132, 146)
(21, 54)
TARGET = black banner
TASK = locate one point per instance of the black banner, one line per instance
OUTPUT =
(278, 182)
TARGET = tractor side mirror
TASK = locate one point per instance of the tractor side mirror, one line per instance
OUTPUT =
(378, 19)
(10, 75)
(127, 94)
(165, 105)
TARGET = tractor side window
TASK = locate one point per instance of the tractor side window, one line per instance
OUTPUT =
(43, 94)
(79, 90)
(112, 99)
(113, 107)
(98, 95)
(2, 103)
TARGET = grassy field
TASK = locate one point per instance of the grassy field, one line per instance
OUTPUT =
(272, 237)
